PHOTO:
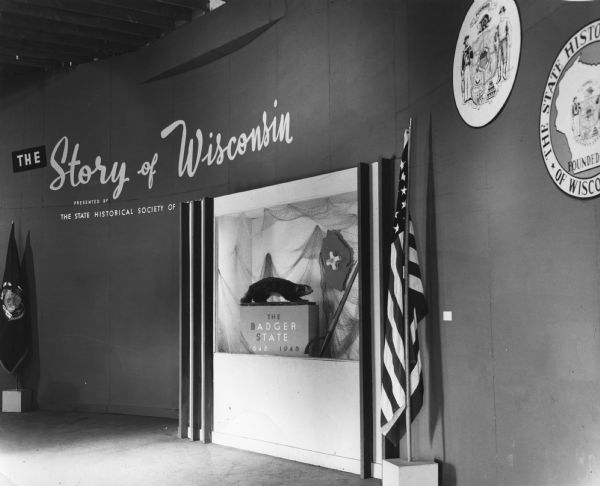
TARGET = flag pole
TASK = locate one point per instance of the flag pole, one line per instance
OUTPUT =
(405, 245)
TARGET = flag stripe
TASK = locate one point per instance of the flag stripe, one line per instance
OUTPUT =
(395, 364)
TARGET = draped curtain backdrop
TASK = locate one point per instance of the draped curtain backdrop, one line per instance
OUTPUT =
(285, 241)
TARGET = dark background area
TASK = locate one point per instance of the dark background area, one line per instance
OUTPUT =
(515, 258)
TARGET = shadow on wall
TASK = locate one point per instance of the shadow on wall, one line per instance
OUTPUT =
(447, 472)
(31, 368)
(54, 392)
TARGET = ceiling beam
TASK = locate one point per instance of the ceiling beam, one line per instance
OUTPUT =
(25, 34)
(46, 34)
(46, 55)
(67, 51)
(191, 4)
(27, 61)
(174, 12)
(31, 10)
(116, 12)
(59, 29)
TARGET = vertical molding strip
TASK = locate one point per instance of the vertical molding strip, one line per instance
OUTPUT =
(195, 317)
(184, 319)
(207, 318)
(365, 327)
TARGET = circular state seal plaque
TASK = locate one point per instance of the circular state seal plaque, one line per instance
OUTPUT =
(570, 115)
(486, 60)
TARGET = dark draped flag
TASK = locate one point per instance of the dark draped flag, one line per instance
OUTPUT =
(14, 342)
(393, 372)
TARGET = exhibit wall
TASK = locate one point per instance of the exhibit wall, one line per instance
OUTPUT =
(511, 382)
(515, 259)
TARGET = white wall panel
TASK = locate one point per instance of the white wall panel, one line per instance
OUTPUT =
(298, 408)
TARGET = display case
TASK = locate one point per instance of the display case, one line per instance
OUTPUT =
(286, 367)
(286, 260)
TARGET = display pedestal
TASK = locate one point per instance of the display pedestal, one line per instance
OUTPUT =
(398, 472)
(16, 400)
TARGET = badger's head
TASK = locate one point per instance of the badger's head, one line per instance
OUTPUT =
(302, 289)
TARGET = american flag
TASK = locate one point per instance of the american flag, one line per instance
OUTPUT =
(393, 373)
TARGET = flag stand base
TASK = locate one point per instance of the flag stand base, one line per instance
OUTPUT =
(16, 400)
(399, 472)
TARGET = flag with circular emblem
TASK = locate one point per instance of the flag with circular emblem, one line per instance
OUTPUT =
(13, 329)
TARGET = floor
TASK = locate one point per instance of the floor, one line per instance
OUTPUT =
(69, 449)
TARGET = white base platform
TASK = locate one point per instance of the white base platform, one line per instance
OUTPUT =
(16, 400)
(398, 472)
(330, 461)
